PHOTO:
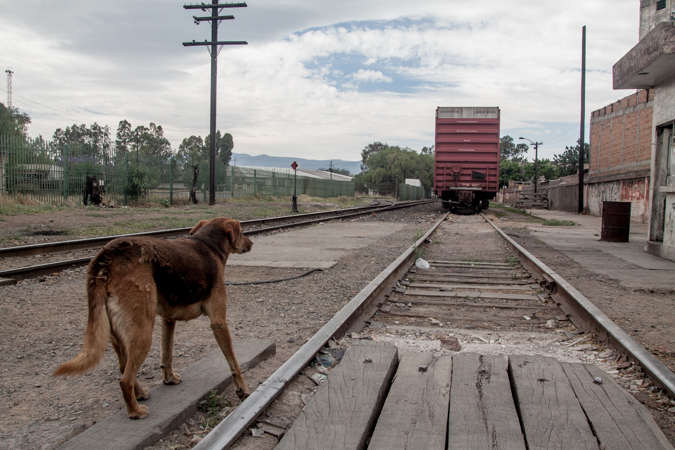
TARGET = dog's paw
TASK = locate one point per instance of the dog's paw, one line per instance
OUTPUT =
(142, 394)
(242, 394)
(141, 413)
(174, 378)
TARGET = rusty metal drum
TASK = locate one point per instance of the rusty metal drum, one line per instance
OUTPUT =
(615, 221)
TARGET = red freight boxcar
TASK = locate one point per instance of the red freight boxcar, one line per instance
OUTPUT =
(466, 168)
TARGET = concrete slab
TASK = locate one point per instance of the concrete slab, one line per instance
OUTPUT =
(316, 247)
(626, 262)
(170, 405)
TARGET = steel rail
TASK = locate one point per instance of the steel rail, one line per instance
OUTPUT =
(229, 430)
(586, 316)
(80, 244)
(58, 266)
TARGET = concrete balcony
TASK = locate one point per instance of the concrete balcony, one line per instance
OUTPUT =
(650, 62)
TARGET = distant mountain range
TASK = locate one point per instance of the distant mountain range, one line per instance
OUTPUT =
(243, 159)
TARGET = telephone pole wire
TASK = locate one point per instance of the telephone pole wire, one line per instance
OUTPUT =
(214, 48)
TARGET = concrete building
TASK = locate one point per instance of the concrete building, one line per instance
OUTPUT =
(651, 65)
(621, 154)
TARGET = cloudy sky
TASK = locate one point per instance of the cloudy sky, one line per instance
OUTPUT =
(319, 79)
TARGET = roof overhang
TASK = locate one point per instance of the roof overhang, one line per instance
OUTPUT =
(651, 61)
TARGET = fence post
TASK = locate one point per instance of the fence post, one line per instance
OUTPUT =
(274, 185)
(232, 181)
(255, 183)
(171, 183)
(126, 176)
(66, 169)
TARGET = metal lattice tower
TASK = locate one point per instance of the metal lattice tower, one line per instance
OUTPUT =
(9, 87)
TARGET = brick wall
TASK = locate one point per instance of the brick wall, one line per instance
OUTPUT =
(621, 138)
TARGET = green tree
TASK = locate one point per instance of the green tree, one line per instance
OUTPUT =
(510, 151)
(510, 171)
(568, 161)
(92, 144)
(545, 168)
(393, 163)
(224, 146)
(147, 143)
(371, 149)
(192, 152)
(13, 123)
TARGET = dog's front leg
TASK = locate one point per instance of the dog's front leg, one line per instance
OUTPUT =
(168, 327)
(222, 334)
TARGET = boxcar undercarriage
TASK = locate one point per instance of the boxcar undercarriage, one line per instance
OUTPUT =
(466, 201)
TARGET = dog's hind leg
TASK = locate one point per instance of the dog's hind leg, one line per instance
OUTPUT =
(132, 317)
(222, 333)
(142, 339)
(168, 327)
(140, 393)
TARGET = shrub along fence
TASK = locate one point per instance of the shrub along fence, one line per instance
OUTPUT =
(40, 170)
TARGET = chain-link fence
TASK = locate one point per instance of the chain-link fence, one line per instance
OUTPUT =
(39, 170)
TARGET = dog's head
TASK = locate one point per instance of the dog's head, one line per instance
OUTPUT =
(223, 233)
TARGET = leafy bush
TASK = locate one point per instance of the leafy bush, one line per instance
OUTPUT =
(138, 182)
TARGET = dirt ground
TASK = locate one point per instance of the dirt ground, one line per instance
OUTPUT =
(85, 222)
(43, 323)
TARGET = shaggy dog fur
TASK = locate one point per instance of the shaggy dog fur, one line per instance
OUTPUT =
(133, 279)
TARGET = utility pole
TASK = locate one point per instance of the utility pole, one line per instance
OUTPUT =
(9, 87)
(583, 121)
(214, 48)
(536, 151)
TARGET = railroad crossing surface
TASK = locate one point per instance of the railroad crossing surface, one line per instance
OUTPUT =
(377, 399)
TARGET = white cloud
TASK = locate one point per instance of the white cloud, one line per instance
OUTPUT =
(288, 91)
(371, 75)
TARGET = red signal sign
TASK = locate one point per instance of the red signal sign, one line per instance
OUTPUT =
(294, 165)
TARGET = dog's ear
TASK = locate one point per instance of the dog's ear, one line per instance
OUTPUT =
(198, 226)
(230, 231)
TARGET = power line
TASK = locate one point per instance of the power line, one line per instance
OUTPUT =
(67, 114)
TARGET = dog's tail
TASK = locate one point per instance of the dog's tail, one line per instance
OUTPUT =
(98, 326)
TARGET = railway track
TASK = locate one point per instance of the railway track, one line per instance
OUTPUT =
(84, 247)
(517, 294)
(485, 297)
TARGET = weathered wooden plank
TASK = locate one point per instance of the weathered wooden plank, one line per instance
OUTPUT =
(343, 412)
(481, 317)
(415, 414)
(435, 261)
(550, 413)
(493, 276)
(619, 421)
(421, 301)
(170, 405)
(482, 411)
(493, 287)
(477, 267)
(469, 294)
(470, 280)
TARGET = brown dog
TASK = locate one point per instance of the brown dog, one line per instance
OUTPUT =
(132, 279)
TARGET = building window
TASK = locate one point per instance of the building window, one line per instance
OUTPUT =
(661, 4)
